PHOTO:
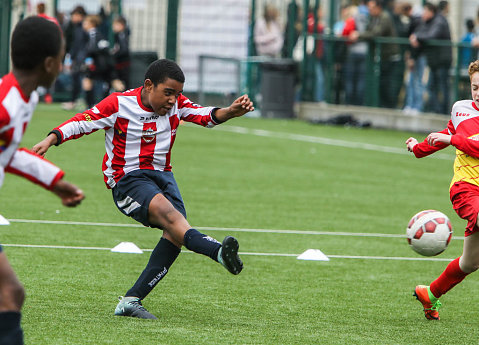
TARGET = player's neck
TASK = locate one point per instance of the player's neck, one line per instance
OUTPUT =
(144, 98)
(28, 80)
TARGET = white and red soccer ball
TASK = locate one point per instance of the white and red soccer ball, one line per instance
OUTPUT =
(429, 232)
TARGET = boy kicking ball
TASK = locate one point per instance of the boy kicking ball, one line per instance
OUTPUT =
(462, 132)
(140, 129)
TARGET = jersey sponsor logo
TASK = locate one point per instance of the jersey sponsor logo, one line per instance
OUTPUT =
(173, 132)
(87, 117)
(462, 114)
(148, 135)
(149, 118)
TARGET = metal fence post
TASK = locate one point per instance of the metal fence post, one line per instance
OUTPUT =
(172, 29)
(5, 22)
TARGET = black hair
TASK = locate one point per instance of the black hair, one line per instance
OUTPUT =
(378, 3)
(33, 40)
(79, 10)
(470, 25)
(431, 7)
(442, 5)
(160, 70)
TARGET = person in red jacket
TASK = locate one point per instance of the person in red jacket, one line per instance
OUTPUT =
(462, 132)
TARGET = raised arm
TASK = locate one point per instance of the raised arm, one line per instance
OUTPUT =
(102, 116)
(239, 107)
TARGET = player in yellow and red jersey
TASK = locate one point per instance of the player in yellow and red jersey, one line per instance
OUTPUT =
(462, 132)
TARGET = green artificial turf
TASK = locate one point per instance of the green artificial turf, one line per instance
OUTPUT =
(250, 178)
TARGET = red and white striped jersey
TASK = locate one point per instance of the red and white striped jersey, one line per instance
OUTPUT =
(464, 129)
(16, 110)
(135, 136)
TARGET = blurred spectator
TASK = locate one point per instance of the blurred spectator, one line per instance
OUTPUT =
(475, 40)
(402, 22)
(434, 26)
(45, 93)
(268, 35)
(318, 53)
(355, 65)
(121, 54)
(467, 54)
(381, 24)
(416, 64)
(443, 8)
(76, 40)
(99, 68)
(292, 30)
(340, 53)
(41, 12)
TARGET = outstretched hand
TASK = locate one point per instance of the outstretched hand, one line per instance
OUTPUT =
(42, 147)
(241, 106)
(410, 143)
(70, 194)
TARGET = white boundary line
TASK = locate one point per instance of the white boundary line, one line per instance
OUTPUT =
(323, 141)
(395, 258)
(210, 228)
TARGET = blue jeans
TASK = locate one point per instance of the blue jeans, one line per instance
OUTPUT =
(355, 78)
(438, 86)
(415, 86)
(319, 87)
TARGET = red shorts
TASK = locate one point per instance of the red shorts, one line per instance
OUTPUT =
(465, 201)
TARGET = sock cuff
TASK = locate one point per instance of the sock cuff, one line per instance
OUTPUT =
(10, 320)
(189, 235)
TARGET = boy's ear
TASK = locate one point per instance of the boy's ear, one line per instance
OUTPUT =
(49, 64)
(148, 85)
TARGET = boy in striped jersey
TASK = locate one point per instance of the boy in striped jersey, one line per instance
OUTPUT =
(37, 51)
(462, 132)
(140, 129)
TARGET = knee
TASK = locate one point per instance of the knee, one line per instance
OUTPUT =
(468, 266)
(164, 218)
(12, 295)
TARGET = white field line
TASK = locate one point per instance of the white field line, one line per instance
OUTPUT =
(323, 141)
(210, 228)
(395, 258)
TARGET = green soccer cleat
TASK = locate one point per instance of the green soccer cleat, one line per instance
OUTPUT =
(228, 255)
(131, 306)
(430, 304)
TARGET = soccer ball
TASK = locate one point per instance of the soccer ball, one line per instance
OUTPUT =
(429, 232)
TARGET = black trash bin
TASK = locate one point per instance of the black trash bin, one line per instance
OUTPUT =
(138, 65)
(278, 79)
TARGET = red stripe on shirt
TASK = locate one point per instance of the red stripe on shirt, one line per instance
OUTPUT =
(147, 146)
(6, 138)
(174, 123)
(119, 144)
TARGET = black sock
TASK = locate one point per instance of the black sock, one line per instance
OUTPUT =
(162, 257)
(202, 244)
(10, 331)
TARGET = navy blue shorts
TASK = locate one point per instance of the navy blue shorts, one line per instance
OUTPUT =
(1, 249)
(133, 193)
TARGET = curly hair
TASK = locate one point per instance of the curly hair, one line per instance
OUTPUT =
(473, 67)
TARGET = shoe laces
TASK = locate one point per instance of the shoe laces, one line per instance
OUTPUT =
(137, 303)
(435, 306)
